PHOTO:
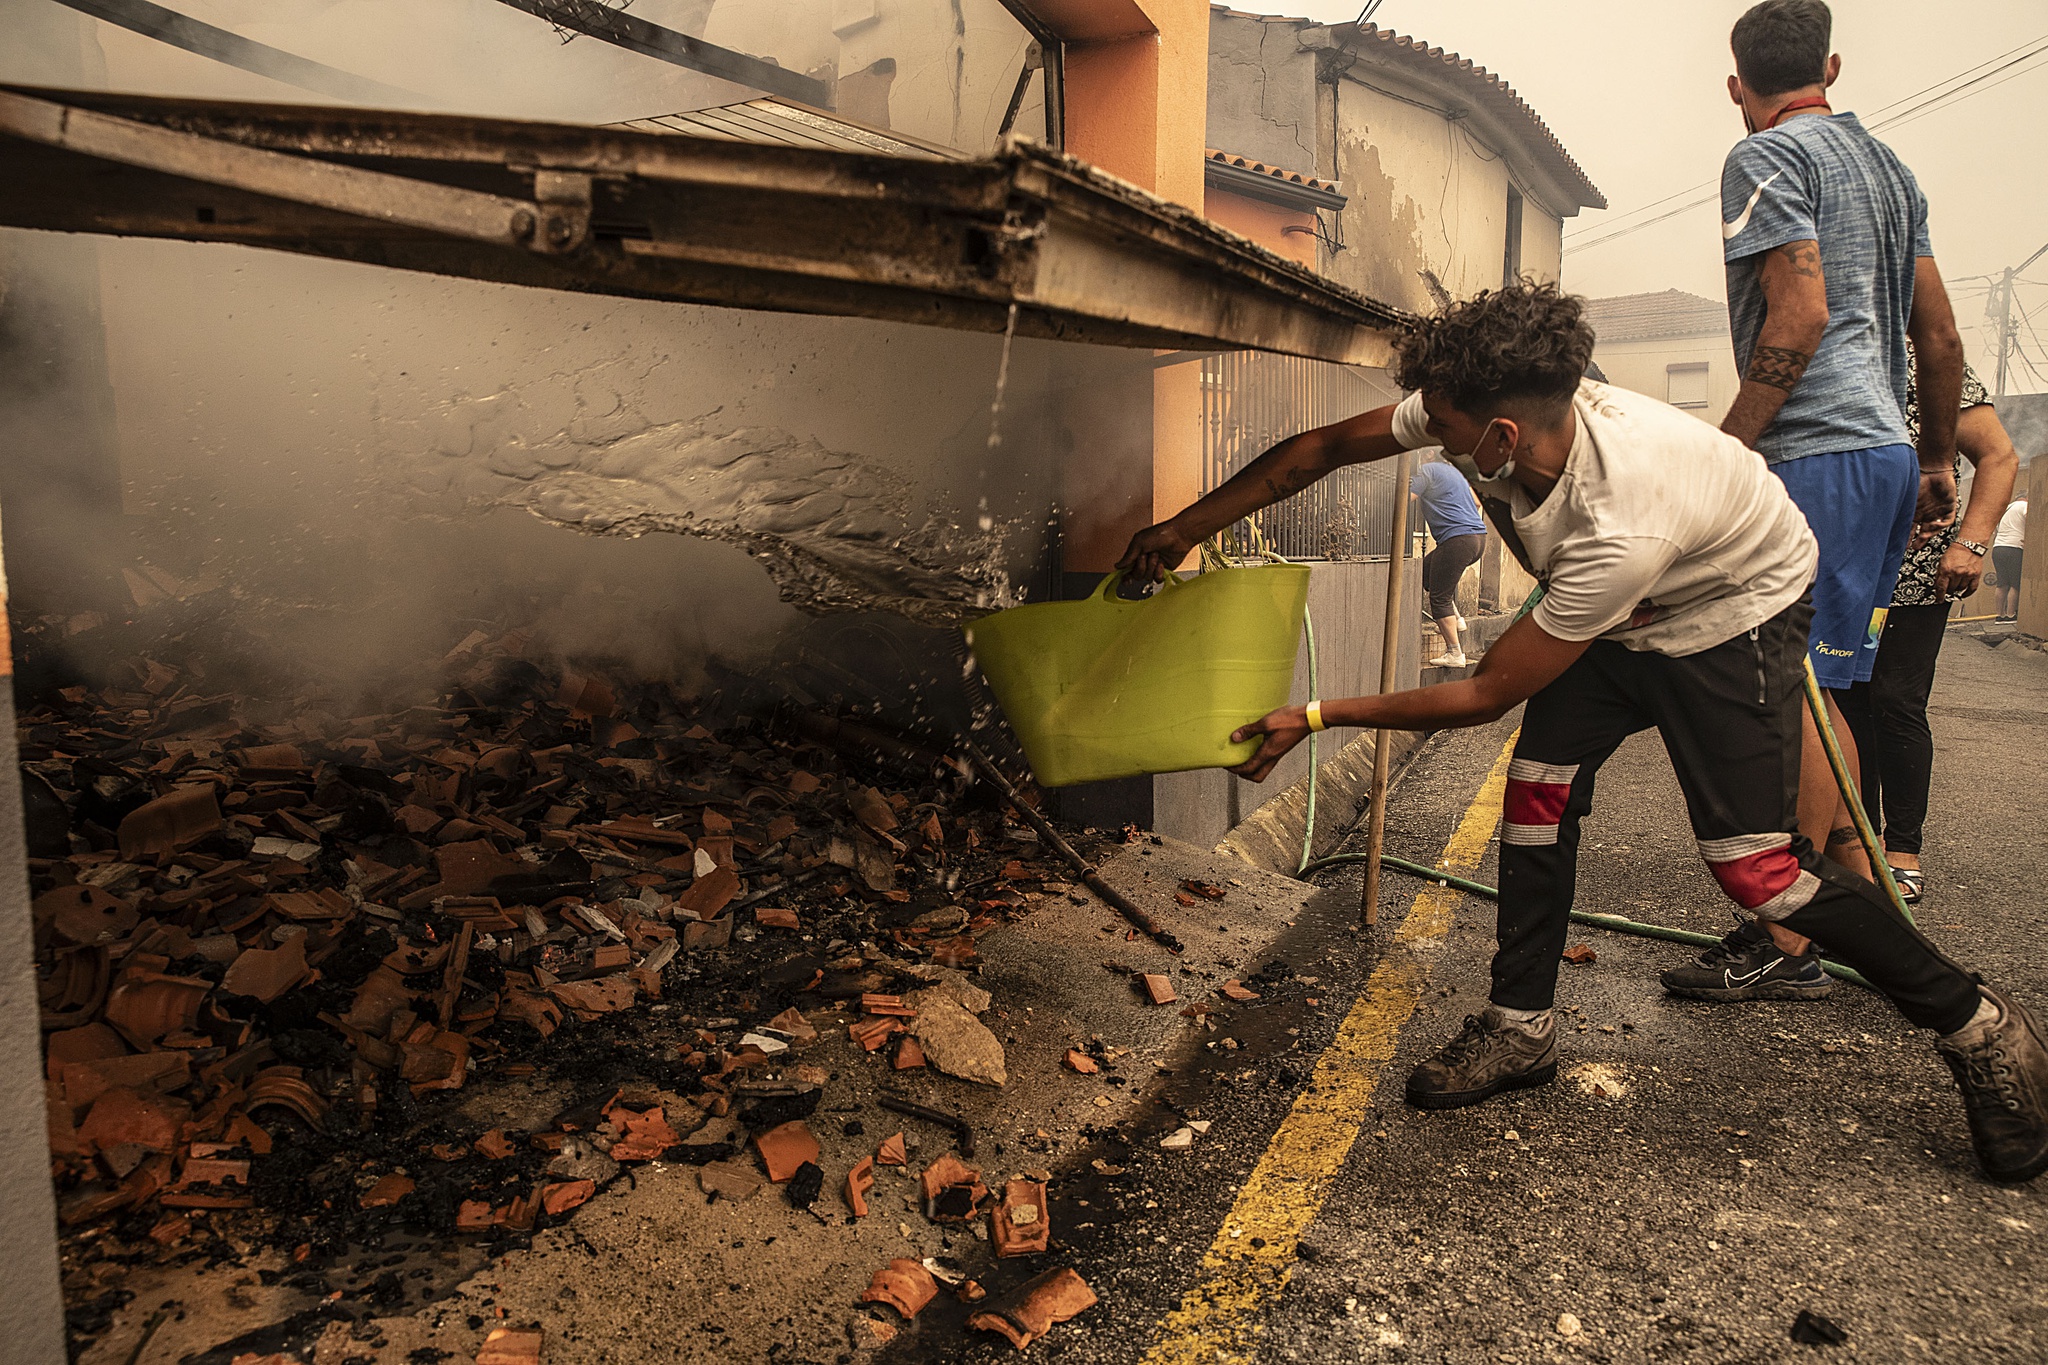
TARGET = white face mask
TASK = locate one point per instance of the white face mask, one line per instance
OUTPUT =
(1469, 467)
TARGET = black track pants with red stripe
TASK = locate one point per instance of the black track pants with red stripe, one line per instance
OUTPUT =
(1730, 719)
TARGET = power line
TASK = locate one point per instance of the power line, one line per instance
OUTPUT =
(1949, 80)
(1948, 98)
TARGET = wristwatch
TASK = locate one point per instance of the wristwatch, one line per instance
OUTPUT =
(1972, 546)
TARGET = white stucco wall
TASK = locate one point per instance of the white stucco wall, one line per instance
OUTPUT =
(1423, 197)
(1644, 366)
(1542, 242)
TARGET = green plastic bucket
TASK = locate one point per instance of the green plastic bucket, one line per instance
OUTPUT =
(1106, 688)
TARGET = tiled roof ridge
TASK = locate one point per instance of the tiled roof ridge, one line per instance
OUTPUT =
(1499, 90)
(1657, 294)
(1258, 167)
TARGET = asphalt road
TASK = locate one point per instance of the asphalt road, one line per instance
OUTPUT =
(1699, 1176)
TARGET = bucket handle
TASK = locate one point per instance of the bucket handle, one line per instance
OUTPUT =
(1107, 592)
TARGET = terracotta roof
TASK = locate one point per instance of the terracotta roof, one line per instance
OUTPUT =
(1666, 313)
(1486, 87)
(1245, 163)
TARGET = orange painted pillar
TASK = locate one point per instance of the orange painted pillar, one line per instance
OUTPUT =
(1137, 106)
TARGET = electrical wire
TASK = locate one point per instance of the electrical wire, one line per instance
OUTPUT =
(1704, 184)
(1947, 99)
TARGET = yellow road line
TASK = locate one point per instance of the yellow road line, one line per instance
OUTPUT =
(1286, 1190)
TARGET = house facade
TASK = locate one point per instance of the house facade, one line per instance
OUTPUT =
(1670, 345)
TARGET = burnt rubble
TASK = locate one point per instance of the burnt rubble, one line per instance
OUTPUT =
(278, 947)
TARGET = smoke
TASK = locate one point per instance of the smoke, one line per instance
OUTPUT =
(361, 466)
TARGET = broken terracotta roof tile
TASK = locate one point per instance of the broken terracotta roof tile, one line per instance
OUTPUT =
(952, 1190)
(1158, 988)
(1036, 1307)
(1080, 1062)
(909, 1054)
(710, 893)
(565, 1195)
(647, 1135)
(123, 1117)
(1236, 990)
(892, 1151)
(904, 1285)
(859, 1181)
(267, 973)
(774, 917)
(872, 1033)
(785, 1147)
(475, 1215)
(146, 1006)
(792, 1022)
(85, 914)
(182, 816)
(386, 1192)
(1020, 1223)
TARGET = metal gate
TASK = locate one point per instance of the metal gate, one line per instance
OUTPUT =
(1253, 399)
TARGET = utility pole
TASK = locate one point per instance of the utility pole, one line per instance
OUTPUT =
(2005, 334)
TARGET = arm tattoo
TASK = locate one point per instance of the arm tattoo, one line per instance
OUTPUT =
(1845, 835)
(1803, 258)
(1778, 366)
(1288, 484)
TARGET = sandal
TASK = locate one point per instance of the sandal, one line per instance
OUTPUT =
(1912, 885)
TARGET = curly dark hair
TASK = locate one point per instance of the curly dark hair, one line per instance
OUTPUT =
(1521, 342)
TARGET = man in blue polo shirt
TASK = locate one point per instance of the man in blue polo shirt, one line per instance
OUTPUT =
(1451, 512)
(1829, 272)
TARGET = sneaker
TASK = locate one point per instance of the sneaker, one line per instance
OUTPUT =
(1490, 1055)
(2002, 1069)
(1450, 660)
(1747, 965)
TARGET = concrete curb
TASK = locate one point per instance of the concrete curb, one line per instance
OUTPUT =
(1271, 837)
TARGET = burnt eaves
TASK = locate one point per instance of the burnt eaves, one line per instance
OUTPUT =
(1028, 238)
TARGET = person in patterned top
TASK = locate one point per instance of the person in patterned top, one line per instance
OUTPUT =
(1888, 714)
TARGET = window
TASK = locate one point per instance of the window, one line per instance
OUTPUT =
(1685, 386)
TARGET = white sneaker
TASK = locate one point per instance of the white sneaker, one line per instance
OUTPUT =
(1456, 660)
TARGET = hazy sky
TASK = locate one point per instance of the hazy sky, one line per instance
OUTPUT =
(1637, 92)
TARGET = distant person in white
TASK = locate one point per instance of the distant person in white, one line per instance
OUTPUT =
(2006, 553)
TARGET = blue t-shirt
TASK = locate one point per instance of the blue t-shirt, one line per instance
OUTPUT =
(1823, 178)
(1449, 505)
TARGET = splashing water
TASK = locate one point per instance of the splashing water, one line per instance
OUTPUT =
(835, 534)
(995, 411)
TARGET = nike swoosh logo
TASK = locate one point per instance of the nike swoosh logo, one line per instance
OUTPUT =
(1732, 979)
(1734, 227)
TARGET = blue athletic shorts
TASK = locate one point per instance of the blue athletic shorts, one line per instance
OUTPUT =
(1860, 505)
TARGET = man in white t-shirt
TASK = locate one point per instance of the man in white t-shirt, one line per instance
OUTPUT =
(1676, 572)
(2008, 549)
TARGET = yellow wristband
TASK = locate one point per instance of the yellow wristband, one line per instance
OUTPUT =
(1315, 716)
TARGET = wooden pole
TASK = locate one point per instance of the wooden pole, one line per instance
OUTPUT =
(1390, 656)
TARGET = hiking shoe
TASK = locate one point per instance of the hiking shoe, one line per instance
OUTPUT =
(1490, 1055)
(2002, 1069)
(1747, 965)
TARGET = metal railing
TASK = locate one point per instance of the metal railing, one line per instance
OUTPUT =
(1250, 401)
